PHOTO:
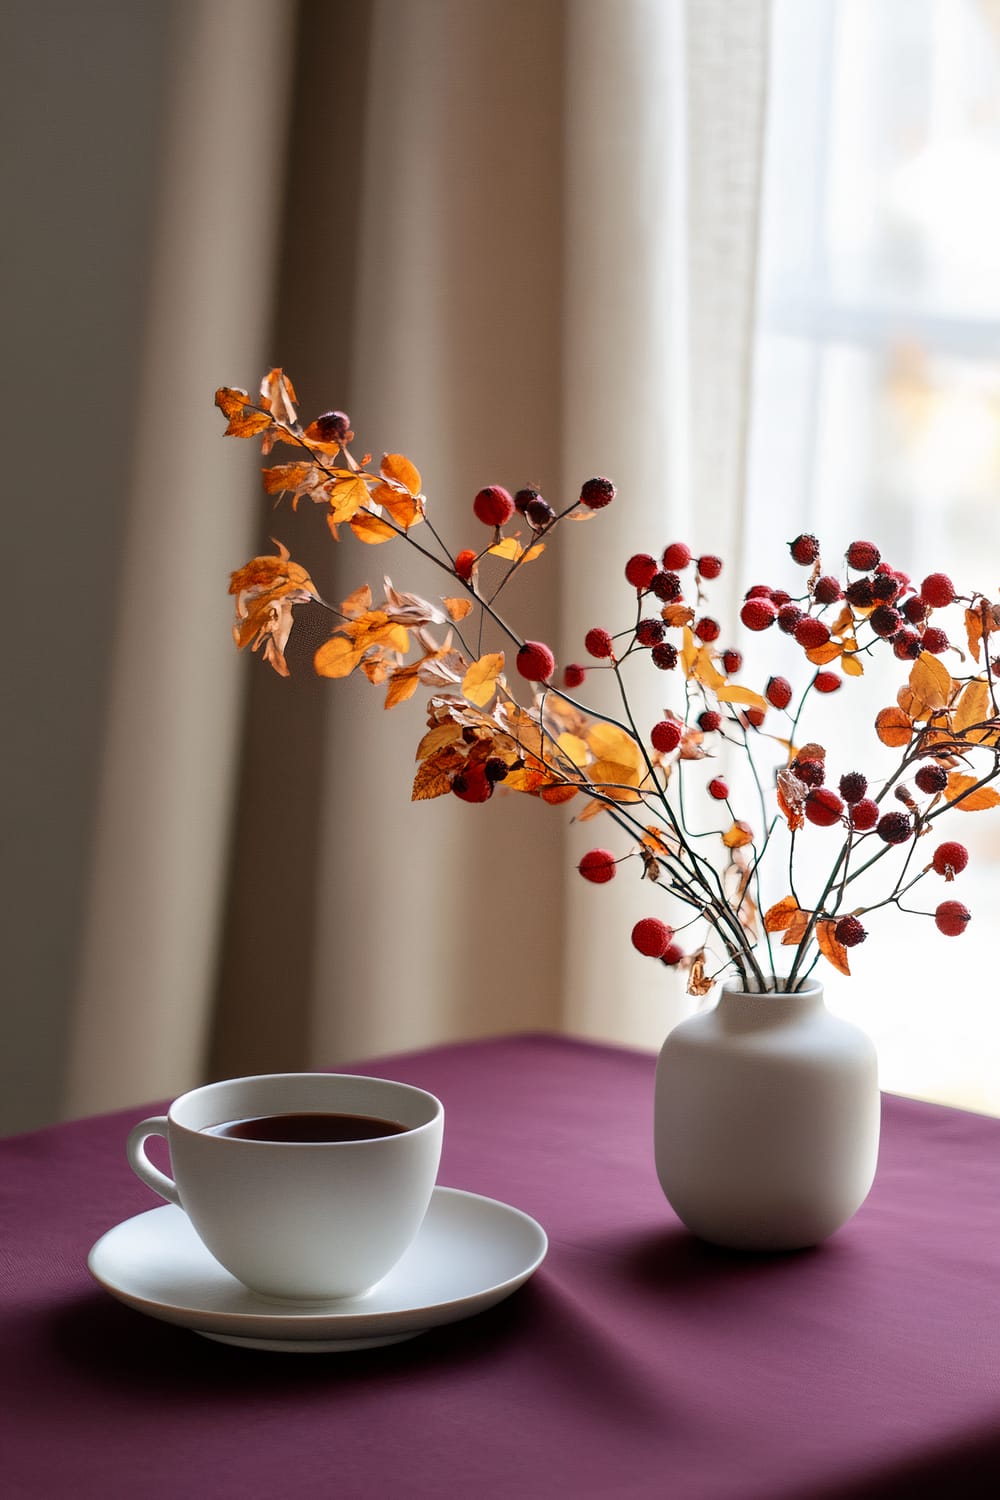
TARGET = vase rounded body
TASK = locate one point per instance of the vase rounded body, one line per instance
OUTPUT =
(767, 1118)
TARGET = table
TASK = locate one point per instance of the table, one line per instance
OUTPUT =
(636, 1363)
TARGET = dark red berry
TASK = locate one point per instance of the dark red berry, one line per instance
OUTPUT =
(780, 597)
(885, 620)
(863, 556)
(778, 692)
(827, 682)
(859, 594)
(665, 736)
(827, 590)
(599, 643)
(676, 556)
(664, 656)
(885, 588)
(652, 937)
(758, 614)
(495, 769)
(952, 918)
(906, 645)
(465, 563)
(789, 616)
(853, 786)
(333, 427)
(707, 629)
(732, 661)
(718, 788)
(931, 779)
(810, 632)
(915, 610)
(524, 497)
(471, 784)
(950, 856)
(598, 866)
(650, 632)
(539, 514)
(494, 505)
(894, 827)
(574, 675)
(535, 661)
(937, 590)
(759, 591)
(810, 772)
(709, 566)
(864, 815)
(666, 587)
(824, 807)
(935, 640)
(804, 549)
(641, 569)
(850, 932)
(709, 721)
(597, 493)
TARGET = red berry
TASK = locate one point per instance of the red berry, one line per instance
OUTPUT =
(810, 632)
(718, 789)
(859, 593)
(827, 682)
(850, 932)
(666, 587)
(574, 675)
(827, 590)
(709, 721)
(652, 937)
(650, 632)
(915, 610)
(598, 866)
(535, 661)
(677, 555)
(935, 640)
(665, 736)
(759, 591)
(673, 955)
(758, 614)
(778, 692)
(863, 556)
(465, 563)
(664, 656)
(707, 629)
(524, 497)
(952, 917)
(809, 772)
(804, 549)
(885, 621)
(885, 588)
(472, 784)
(931, 779)
(732, 661)
(494, 505)
(824, 807)
(641, 569)
(950, 856)
(754, 716)
(709, 566)
(864, 815)
(598, 642)
(789, 616)
(853, 787)
(597, 493)
(937, 590)
(894, 827)
(906, 645)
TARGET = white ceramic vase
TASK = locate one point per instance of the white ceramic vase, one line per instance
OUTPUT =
(766, 1120)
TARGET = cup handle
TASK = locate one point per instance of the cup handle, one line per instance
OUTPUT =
(140, 1162)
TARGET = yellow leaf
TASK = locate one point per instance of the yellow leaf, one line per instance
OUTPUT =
(533, 552)
(615, 780)
(959, 785)
(509, 548)
(457, 608)
(830, 948)
(707, 672)
(357, 603)
(852, 665)
(973, 626)
(608, 742)
(402, 685)
(574, 749)
(973, 706)
(931, 681)
(738, 836)
(435, 739)
(337, 657)
(730, 693)
(399, 469)
(368, 528)
(893, 727)
(346, 498)
(479, 682)
(821, 655)
(689, 651)
(781, 915)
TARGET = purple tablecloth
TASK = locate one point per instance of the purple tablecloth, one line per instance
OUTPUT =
(636, 1363)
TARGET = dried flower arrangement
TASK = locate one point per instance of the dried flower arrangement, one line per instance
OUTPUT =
(479, 737)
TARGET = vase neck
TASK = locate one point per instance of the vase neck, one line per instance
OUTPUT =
(738, 1008)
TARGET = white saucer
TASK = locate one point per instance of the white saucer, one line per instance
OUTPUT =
(470, 1253)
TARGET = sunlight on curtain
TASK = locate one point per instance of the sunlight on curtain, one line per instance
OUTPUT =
(877, 414)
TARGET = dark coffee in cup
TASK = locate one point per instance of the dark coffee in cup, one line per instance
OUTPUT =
(306, 1127)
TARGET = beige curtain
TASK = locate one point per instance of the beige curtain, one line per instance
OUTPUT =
(518, 245)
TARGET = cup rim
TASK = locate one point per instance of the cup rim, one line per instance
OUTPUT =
(411, 1089)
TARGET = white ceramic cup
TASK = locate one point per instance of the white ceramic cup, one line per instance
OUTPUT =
(306, 1221)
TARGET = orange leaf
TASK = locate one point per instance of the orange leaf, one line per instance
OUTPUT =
(435, 739)
(357, 603)
(337, 657)
(346, 498)
(248, 424)
(796, 929)
(479, 682)
(739, 835)
(401, 471)
(434, 775)
(959, 785)
(509, 548)
(593, 808)
(851, 664)
(931, 681)
(749, 699)
(781, 915)
(401, 505)
(615, 780)
(821, 655)
(973, 706)
(830, 948)
(402, 685)
(791, 796)
(278, 395)
(699, 982)
(457, 608)
(555, 795)
(368, 528)
(893, 727)
(231, 400)
(532, 553)
(677, 614)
